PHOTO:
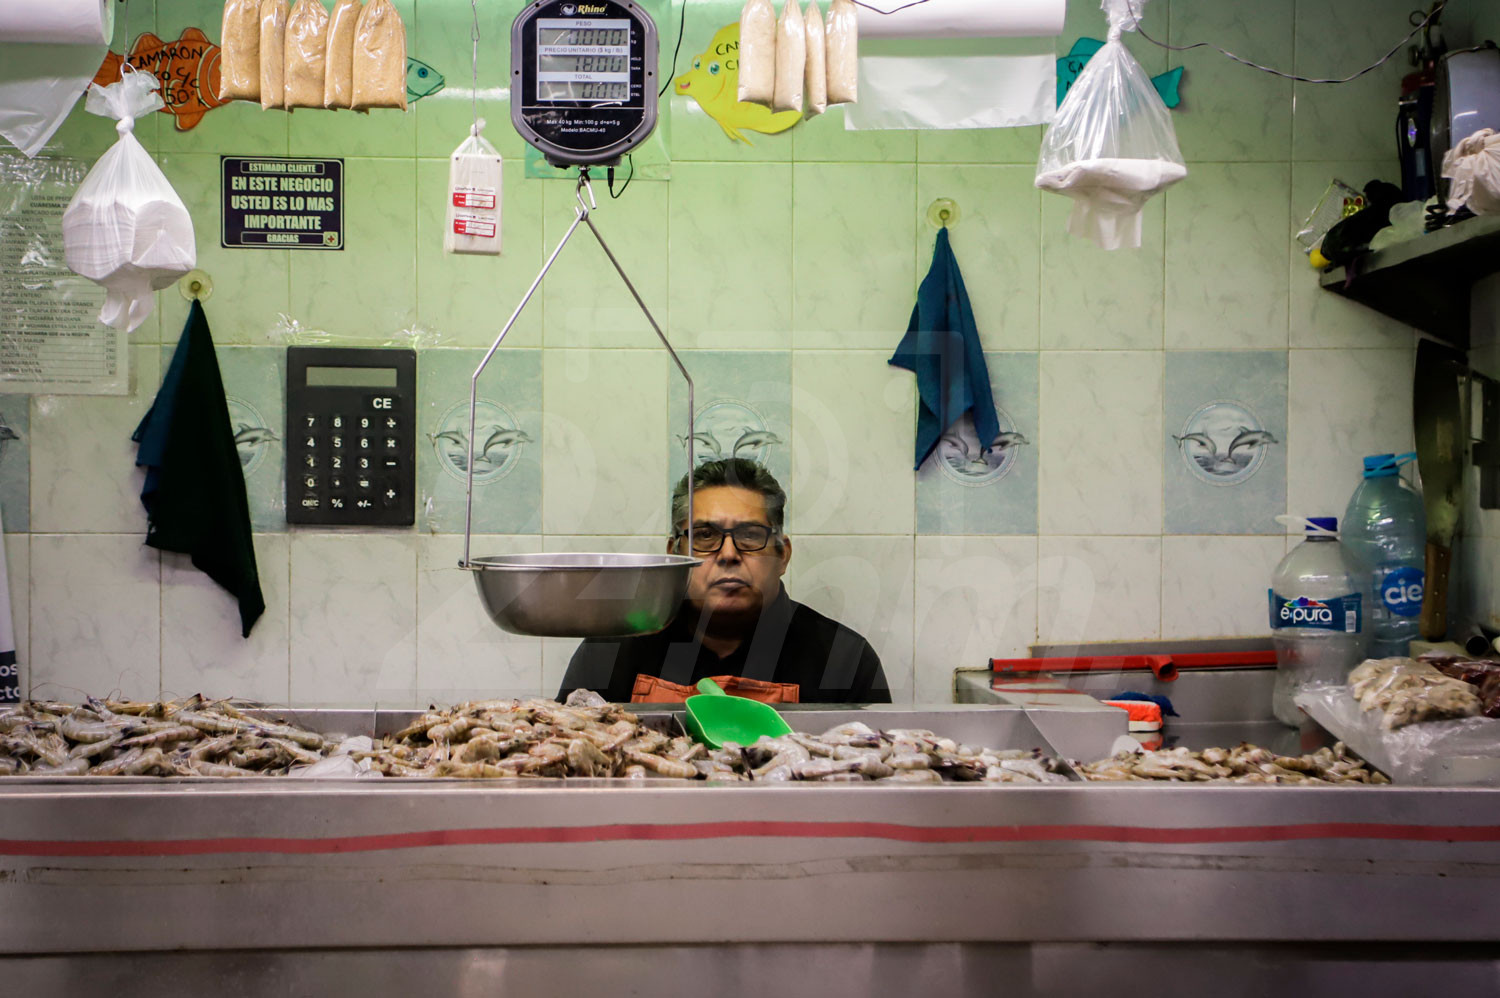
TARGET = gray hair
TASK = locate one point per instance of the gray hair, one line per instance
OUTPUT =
(740, 473)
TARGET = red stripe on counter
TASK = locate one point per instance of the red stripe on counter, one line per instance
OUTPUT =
(925, 834)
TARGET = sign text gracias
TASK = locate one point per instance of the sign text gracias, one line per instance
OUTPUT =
(276, 203)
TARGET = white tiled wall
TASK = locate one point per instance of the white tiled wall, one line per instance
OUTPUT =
(816, 249)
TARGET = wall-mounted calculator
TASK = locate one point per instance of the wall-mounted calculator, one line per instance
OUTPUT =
(351, 436)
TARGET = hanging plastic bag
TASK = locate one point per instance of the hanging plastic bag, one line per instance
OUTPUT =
(306, 53)
(473, 197)
(272, 54)
(239, 53)
(379, 57)
(338, 69)
(757, 52)
(126, 228)
(815, 88)
(1112, 145)
(841, 37)
(1474, 167)
(791, 58)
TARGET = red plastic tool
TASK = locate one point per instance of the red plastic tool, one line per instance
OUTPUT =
(1164, 667)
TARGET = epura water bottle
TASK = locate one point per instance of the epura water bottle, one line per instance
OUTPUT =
(1385, 530)
(1317, 618)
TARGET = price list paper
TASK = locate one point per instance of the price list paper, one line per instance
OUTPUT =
(51, 339)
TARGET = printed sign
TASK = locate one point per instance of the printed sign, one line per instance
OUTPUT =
(277, 203)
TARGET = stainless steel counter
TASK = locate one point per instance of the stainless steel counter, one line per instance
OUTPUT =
(654, 867)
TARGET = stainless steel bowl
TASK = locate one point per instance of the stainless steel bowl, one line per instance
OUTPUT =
(582, 595)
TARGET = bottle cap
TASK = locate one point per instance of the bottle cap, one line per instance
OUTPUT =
(1322, 524)
(1385, 465)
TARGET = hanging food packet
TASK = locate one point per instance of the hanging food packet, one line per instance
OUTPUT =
(1112, 145)
(379, 58)
(239, 51)
(473, 197)
(306, 53)
(126, 228)
(757, 52)
(816, 81)
(791, 58)
(841, 34)
(338, 79)
(272, 53)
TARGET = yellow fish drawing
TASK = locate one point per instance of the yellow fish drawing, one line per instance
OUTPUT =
(714, 82)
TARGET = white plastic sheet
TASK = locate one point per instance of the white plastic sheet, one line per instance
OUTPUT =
(49, 51)
(1474, 167)
(961, 18)
(956, 91)
(126, 228)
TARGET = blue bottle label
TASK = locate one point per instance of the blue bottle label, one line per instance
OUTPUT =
(1342, 613)
(1401, 590)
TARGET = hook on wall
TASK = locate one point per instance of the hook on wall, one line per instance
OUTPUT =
(196, 284)
(943, 213)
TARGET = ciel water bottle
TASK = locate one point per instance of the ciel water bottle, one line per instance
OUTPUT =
(1385, 530)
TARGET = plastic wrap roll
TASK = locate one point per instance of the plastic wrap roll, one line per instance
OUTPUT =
(964, 19)
(57, 22)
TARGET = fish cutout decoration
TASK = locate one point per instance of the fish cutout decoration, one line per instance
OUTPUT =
(421, 80)
(1168, 84)
(188, 69)
(714, 82)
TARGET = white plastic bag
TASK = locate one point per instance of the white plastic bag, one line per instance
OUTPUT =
(1112, 145)
(816, 87)
(757, 52)
(1474, 167)
(126, 228)
(791, 58)
(473, 197)
(841, 36)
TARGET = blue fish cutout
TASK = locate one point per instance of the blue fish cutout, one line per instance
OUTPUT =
(421, 80)
(1168, 84)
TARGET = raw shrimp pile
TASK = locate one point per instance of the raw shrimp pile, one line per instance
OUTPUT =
(589, 737)
(188, 737)
(1244, 763)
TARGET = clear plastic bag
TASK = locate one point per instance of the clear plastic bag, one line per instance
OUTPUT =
(841, 38)
(338, 79)
(757, 52)
(791, 58)
(379, 57)
(474, 197)
(815, 91)
(306, 53)
(125, 227)
(1458, 752)
(272, 54)
(1112, 145)
(239, 52)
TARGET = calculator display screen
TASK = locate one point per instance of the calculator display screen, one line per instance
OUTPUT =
(351, 377)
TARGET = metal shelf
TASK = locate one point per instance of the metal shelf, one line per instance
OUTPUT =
(1424, 282)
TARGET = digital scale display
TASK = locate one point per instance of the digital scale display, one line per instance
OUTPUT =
(582, 60)
(584, 85)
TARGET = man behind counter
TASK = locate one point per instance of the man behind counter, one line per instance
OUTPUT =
(737, 619)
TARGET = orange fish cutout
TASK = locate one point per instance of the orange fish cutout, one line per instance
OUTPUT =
(188, 69)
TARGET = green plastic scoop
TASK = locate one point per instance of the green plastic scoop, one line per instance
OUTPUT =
(714, 717)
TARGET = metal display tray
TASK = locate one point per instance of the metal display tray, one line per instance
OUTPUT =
(998, 727)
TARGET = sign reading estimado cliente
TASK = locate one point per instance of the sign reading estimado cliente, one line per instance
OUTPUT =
(281, 203)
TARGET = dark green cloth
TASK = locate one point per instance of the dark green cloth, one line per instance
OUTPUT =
(195, 491)
(941, 347)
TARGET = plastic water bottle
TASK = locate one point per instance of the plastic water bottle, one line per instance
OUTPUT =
(1317, 619)
(1385, 530)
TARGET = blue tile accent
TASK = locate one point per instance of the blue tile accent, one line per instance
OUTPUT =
(508, 465)
(15, 462)
(255, 388)
(960, 489)
(1224, 437)
(744, 401)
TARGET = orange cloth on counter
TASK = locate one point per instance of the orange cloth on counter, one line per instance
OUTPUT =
(654, 689)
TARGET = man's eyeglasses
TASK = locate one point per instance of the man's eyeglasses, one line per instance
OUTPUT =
(748, 537)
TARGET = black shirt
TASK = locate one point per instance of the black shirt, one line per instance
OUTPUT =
(791, 643)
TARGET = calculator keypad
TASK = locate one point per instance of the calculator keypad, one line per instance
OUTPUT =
(352, 455)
